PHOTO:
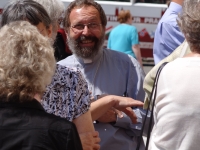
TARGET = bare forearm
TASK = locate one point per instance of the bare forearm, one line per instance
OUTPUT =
(88, 136)
(137, 52)
(84, 123)
(101, 106)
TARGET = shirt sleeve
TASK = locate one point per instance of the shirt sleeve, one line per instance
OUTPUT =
(134, 37)
(67, 96)
(173, 36)
(167, 39)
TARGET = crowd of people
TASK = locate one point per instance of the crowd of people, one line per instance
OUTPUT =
(60, 88)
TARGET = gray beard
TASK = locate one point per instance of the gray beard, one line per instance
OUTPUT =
(85, 52)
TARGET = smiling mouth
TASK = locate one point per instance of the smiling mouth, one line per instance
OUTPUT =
(86, 41)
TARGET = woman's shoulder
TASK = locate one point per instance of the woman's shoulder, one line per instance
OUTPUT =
(68, 78)
(67, 90)
(60, 69)
(67, 72)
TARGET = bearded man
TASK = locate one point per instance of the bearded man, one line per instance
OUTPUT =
(106, 71)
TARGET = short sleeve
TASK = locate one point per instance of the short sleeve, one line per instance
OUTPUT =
(134, 37)
(67, 96)
(167, 38)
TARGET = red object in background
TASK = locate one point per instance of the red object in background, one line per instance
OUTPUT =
(145, 53)
(162, 13)
(63, 33)
(145, 37)
(116, 12)
(1, 11)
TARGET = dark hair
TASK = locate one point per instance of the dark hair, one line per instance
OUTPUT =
(81, 3)
(28, 10)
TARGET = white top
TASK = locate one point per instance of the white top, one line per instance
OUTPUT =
(177, 107)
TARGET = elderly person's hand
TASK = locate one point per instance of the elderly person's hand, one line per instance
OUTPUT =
(122, 102)
(109, 116)
(113, 106)
(112, 114)
(90, 140)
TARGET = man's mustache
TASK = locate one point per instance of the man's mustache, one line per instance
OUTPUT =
(91, 38)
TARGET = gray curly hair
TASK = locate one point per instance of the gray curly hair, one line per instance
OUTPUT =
(55, 10)
(189, 22)
(27, 61)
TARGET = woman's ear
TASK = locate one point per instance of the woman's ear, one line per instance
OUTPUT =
(49, 31)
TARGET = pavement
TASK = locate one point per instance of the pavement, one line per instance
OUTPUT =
(147, 68)
(148, 64)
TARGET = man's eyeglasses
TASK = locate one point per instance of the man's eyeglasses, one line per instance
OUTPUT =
(80, 27)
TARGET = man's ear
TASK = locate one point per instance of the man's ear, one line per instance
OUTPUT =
(49, 31)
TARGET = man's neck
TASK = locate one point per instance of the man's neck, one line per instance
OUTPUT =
(180, 2)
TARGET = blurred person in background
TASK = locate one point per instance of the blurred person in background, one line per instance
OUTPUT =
(124, 37)
(168, 35)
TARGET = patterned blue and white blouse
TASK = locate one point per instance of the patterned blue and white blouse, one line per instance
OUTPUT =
(67, 96)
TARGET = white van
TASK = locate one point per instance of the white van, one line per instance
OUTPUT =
(145, 18)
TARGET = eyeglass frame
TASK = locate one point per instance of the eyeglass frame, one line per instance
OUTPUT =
(88, 26)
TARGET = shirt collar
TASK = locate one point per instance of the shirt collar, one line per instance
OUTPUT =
(32, 104)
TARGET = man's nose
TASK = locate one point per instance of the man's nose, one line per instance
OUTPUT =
(86, 30)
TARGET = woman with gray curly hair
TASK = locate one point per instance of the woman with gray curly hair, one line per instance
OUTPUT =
(24, 57)
(177, 102)
(27, 65)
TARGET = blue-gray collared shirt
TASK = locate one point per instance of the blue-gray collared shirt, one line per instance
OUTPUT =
(115, 73)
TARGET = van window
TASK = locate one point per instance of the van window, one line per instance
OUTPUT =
(115, 0)
(153, 1)
(139, 1)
